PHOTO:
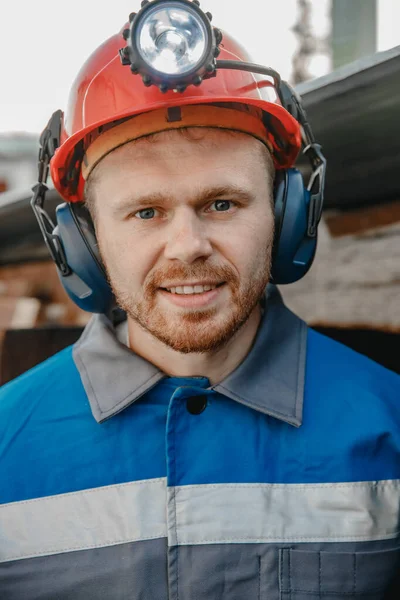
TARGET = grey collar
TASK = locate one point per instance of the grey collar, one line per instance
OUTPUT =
(269, 380)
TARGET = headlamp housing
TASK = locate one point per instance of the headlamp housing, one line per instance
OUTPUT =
(171, 44)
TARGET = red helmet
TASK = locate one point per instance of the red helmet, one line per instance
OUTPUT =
(105, 91)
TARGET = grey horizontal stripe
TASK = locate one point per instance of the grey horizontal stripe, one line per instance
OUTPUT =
(277, 513)
(91, 518)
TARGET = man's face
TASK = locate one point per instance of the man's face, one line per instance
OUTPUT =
(185, 230)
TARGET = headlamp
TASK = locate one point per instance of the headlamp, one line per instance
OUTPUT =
(171, 44)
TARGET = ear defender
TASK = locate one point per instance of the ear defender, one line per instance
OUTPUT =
(298, 209)
(86, 284)
(294, 250)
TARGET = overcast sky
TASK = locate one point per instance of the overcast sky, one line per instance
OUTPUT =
(43, 44)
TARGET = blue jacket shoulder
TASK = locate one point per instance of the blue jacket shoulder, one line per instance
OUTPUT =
(337, 370)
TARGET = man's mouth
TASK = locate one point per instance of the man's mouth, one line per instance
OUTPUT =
(194, 295)
(192, 289)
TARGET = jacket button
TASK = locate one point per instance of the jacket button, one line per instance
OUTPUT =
(196, 404)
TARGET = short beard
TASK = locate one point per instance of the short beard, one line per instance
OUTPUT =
(198, 331)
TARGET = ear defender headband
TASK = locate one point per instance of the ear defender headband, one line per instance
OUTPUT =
(298, 208)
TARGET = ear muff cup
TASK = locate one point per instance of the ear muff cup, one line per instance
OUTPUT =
(87, 285)
(294, 250)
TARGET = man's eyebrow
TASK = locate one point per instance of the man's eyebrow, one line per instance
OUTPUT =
(222, 191)
(130, 202)
(202, 197)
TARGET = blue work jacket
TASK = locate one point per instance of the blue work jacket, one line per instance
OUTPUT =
(282, 482)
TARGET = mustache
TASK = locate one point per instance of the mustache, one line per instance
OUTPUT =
(195, 272)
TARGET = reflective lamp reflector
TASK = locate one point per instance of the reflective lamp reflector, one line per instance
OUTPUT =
(172, 38)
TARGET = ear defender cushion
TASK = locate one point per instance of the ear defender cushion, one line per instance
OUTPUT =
(87, 285)
(294, 250)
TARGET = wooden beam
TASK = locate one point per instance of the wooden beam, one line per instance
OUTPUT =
(362, 220)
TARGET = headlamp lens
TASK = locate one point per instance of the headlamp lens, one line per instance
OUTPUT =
(172, 39)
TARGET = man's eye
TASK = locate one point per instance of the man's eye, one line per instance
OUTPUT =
(146, 213)
(221, 205)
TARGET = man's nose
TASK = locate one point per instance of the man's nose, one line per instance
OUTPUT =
(187, 238)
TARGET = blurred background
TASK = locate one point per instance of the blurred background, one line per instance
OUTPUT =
(344, 58)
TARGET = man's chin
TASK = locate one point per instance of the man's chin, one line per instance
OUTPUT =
(196, 332)
(185, 345)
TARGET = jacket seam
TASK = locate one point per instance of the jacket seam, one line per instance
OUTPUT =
(85, 491)
(108, 543)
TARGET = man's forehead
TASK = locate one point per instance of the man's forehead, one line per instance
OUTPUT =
(181, 165)
(172, 147)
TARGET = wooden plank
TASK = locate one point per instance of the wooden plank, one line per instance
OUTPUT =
(40, 280)
(362, 220)
(354, 282)
(16, 313)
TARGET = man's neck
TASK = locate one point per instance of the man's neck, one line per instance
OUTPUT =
(216, 366)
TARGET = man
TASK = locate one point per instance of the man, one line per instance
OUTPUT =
(202, 442)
